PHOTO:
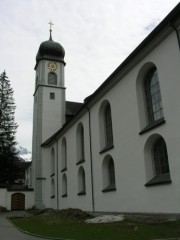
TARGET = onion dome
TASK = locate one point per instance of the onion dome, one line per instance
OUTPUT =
(50, 50)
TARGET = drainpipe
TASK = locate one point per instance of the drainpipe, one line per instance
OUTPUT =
(90, 143)
(57, 175)
(177, 33)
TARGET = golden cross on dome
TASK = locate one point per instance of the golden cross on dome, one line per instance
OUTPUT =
(50, 24)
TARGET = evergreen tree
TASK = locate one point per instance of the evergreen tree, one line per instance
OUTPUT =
(8, 153)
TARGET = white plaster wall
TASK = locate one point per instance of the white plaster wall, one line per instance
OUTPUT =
(128, 153)
(131, 194)
(73, 200)
(29, 199)
(47, 178)
(52, 111)
(49, 116)
(3, 197)
(59, 72)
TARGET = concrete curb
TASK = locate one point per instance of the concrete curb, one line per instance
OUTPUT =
(35, 235)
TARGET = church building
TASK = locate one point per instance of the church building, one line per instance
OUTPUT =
(119, 150)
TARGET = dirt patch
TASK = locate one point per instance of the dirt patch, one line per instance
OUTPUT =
(69, 213)
(74, 213)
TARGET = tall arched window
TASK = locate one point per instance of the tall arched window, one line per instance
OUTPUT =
(153, 96)
(160, 157)
(64, 155)
(156, 161)
(52, 188)
(108, 172)
(64, 185)
(105, 126)
(80, 143)
(149, 99)
(52, 162)
(81, 182)
(108, 126)
(52, 78)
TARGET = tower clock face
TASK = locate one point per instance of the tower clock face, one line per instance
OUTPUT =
(52, 66)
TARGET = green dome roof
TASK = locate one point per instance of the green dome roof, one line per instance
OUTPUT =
(50, 50)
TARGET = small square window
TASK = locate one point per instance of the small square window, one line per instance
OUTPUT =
(52, 95)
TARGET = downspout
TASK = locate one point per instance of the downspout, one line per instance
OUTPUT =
(177, 33)
(91, 162)
(57, 175)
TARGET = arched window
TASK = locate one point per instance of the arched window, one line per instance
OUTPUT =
(108, 126)
(105, 126)
(64, 185)
(149, 97)
(52, 162)
(80, 143)
(160, 157)
(108, 173)
(156, 161)
(81, 182)
(153, 96)
(64, 155)
(52, 188)
(52, 78)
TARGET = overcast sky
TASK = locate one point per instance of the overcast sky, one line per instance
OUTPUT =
(97, 36)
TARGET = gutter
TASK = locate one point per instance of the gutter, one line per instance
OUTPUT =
(91, 162)
(177, 33)
(57, 175)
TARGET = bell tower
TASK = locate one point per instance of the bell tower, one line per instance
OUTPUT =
(49, 105)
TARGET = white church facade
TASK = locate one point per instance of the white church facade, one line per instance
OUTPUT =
(119, 151)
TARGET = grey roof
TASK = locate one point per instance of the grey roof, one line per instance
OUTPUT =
(72, 107)
(50, 50)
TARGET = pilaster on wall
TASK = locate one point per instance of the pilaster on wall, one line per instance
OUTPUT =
(37, 153)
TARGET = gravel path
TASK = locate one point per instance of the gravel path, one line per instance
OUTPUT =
(9, 232)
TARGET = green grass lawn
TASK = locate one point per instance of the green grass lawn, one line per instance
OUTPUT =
(70, 228)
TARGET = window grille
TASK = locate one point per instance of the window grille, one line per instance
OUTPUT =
(153, 96)
(108, 127)
(52, 78)
(160, 157)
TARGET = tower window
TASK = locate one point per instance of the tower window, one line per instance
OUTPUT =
(52, 78)
(52, 95)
